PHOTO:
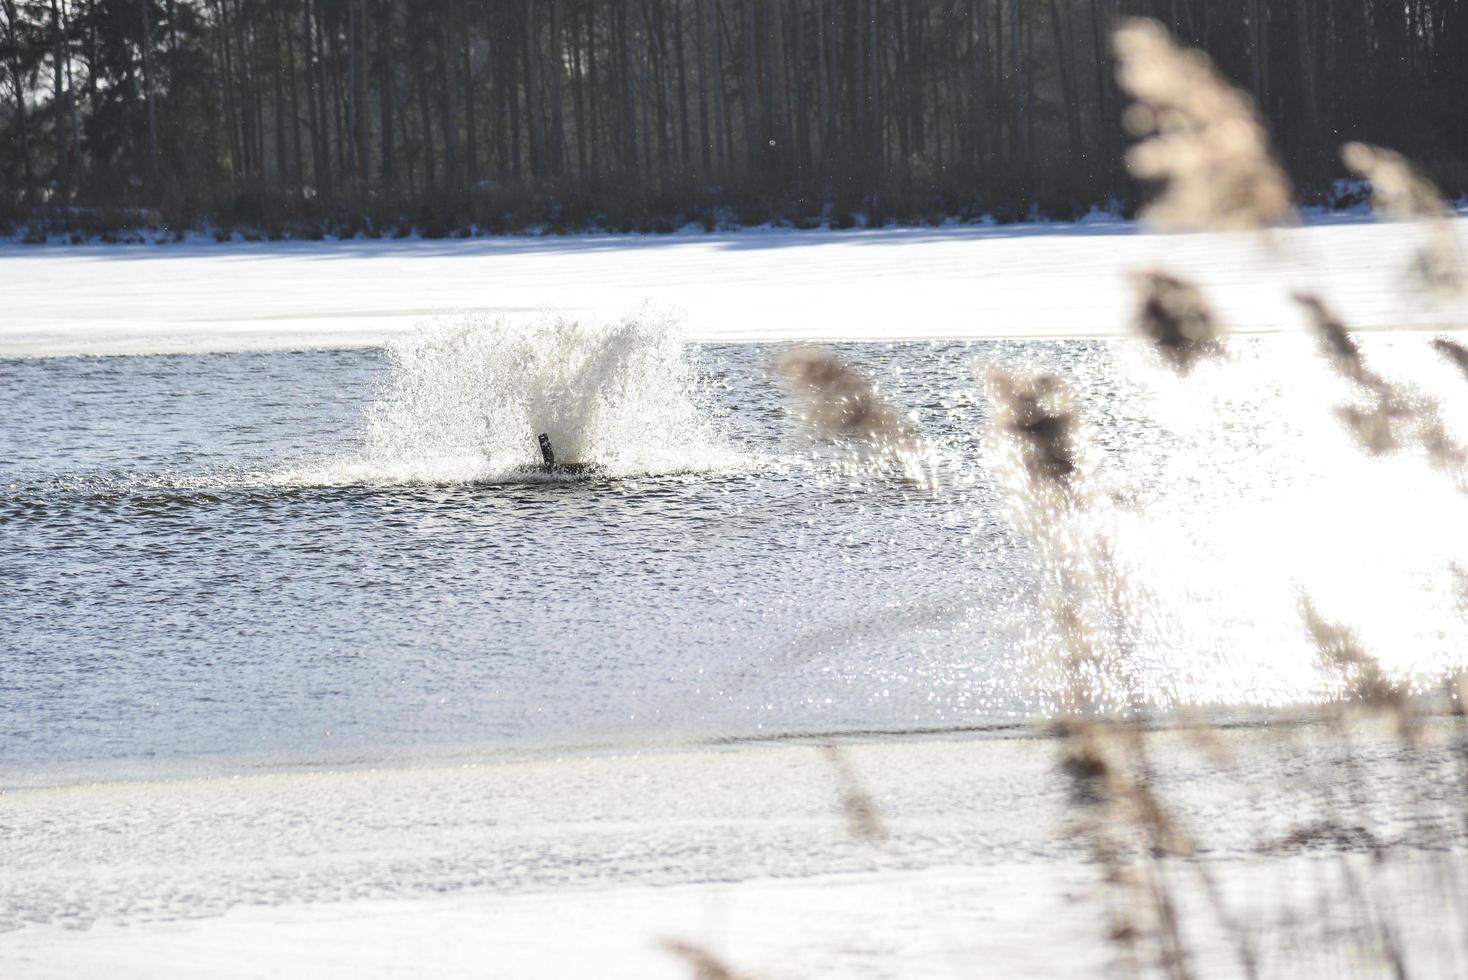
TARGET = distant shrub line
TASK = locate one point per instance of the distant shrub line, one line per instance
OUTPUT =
(267, 215)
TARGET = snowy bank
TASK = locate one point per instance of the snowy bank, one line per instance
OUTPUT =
(584, 865)
(756, 285)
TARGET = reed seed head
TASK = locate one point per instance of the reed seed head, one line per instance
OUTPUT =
(1201, 138)
(838, 402)
(1034, 411)
(1387, 416)
(1087, 762)
(1399, 191)
(1380, 420)
(1454, 352)
(1333, 337)
(1340, 651)
(1175, 318)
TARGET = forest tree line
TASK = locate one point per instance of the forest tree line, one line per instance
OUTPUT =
(378, 115)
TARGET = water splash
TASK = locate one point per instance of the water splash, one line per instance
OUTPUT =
(468, 398)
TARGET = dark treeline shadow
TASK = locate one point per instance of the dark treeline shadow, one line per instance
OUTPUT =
(308, 117)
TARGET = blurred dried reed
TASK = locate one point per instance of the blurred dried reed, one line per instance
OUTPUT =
(1129, 829)
(1387, 417)
(839, 403)
(1400, 192)
(1454, 352)
(1201, 138)
(704, 963)
(1175, 318)
(1205, 143)
(1362, 681)
(863, 818)
(1035, 410)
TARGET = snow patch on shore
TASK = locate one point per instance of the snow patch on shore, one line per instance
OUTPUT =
(1022, 281)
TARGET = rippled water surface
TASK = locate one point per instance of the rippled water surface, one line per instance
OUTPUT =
(257, 553)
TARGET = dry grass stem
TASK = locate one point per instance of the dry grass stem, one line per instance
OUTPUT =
(1340, 652)
(1201, 138)
(1124, 822)
(1454, 352)
(1131, 834)
(1336, 343)
(1386, 417)
(705, 964)
(1399, 191)
(1083, 591)
(1175, 318)
(863, 818)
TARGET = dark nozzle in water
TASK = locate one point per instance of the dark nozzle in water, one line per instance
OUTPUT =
(548, 455)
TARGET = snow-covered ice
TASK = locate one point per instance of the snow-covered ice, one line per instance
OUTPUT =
(965, 281)
(583, 865)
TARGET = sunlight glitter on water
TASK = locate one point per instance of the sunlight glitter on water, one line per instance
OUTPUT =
(267, 552)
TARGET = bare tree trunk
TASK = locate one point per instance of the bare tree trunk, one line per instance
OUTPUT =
(320, 145)
(723, 136)
(149, 107)
(1259, 49)
(657, 46)
(706, 142)
(257, 93)
(1019, 88)
(629, 95)
(425, 118)
(749, 97)
(778, 94)
(58, 103)
(980, 124)
(278, 98)
(1313, 135)
(824, 84)
(1108, 120)
(641, 39)
(387, 165)
(578, 96)
(447, 91)
(593, 112)
(471, 128)
(902, 95)
(511, 101)
(403, 112)
(361, 121)
(349, 165)
(533, 110)
(557, 120)
(873, 94)
(18, 84)
(73, 111)
(1060, 26)
(295, 120)
(231, 113)
(799, 82)
(682, 61)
